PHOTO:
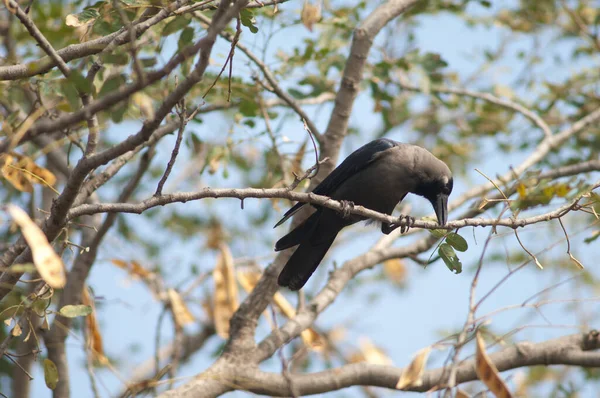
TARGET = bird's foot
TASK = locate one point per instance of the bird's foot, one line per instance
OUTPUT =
(347, 205)
(387, 228)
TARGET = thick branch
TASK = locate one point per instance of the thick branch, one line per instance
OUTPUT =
(573, 350)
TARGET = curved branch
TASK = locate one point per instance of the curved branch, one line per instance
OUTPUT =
(503, 102)
(574, 350)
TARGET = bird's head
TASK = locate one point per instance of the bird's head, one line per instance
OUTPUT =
(435, 184)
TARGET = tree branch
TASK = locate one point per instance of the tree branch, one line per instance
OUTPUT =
(324, 201)
(574, 350)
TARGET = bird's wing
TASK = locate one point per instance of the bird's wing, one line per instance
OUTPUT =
(357, 161)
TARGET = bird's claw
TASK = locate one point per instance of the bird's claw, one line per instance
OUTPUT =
(387, 228)
(347, 205)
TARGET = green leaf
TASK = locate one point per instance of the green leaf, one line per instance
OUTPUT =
(50, 374)
(73, 311)
(438, 233)
(185, 39)
(115, 58)
(69, 91)
(81, 83)
(148, 62)
(248, 108)
(118, 113)
(248, 20)
(111, 84)
(595, 235)
(450, 258)
(457, 242)
(175, 25)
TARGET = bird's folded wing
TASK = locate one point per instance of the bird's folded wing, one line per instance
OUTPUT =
(357, 161)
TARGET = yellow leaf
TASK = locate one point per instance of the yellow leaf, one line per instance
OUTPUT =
(226, 294)
(488, 373)
(47, 262)
(521, 190)
(562, 190)
(182, 314)
(411, 376)
(395, 270)
(310, 14)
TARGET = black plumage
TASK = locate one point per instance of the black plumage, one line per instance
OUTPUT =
(377, 176)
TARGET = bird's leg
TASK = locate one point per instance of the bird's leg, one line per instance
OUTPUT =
(346, 206)
(386, 228)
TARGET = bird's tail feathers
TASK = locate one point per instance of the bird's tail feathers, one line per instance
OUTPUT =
(295, 236)
(303, 263)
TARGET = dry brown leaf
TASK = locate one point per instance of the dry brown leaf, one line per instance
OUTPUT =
(226, 294)
(411, 376)
(144, 103)
(461, 394)
(577, 262)
(45, 324)
(487, 372)
(120, 263)
(215, 235)
(93, 329)
(139, 270)
(310, 14)
(373, 354)
(11, 6)
(395, 270)
(298, 157)
(14, 176)
(133, 268)
(26, 339)
(21, 171)
(17, 331)
(47, 262)
(182, 314)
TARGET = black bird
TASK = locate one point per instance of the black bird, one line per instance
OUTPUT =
(377, 176)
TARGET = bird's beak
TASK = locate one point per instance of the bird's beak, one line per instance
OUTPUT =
(440, 205)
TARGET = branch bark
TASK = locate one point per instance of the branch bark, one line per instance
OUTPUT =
(574, 350)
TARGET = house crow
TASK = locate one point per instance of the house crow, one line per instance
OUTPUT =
(377, 176)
